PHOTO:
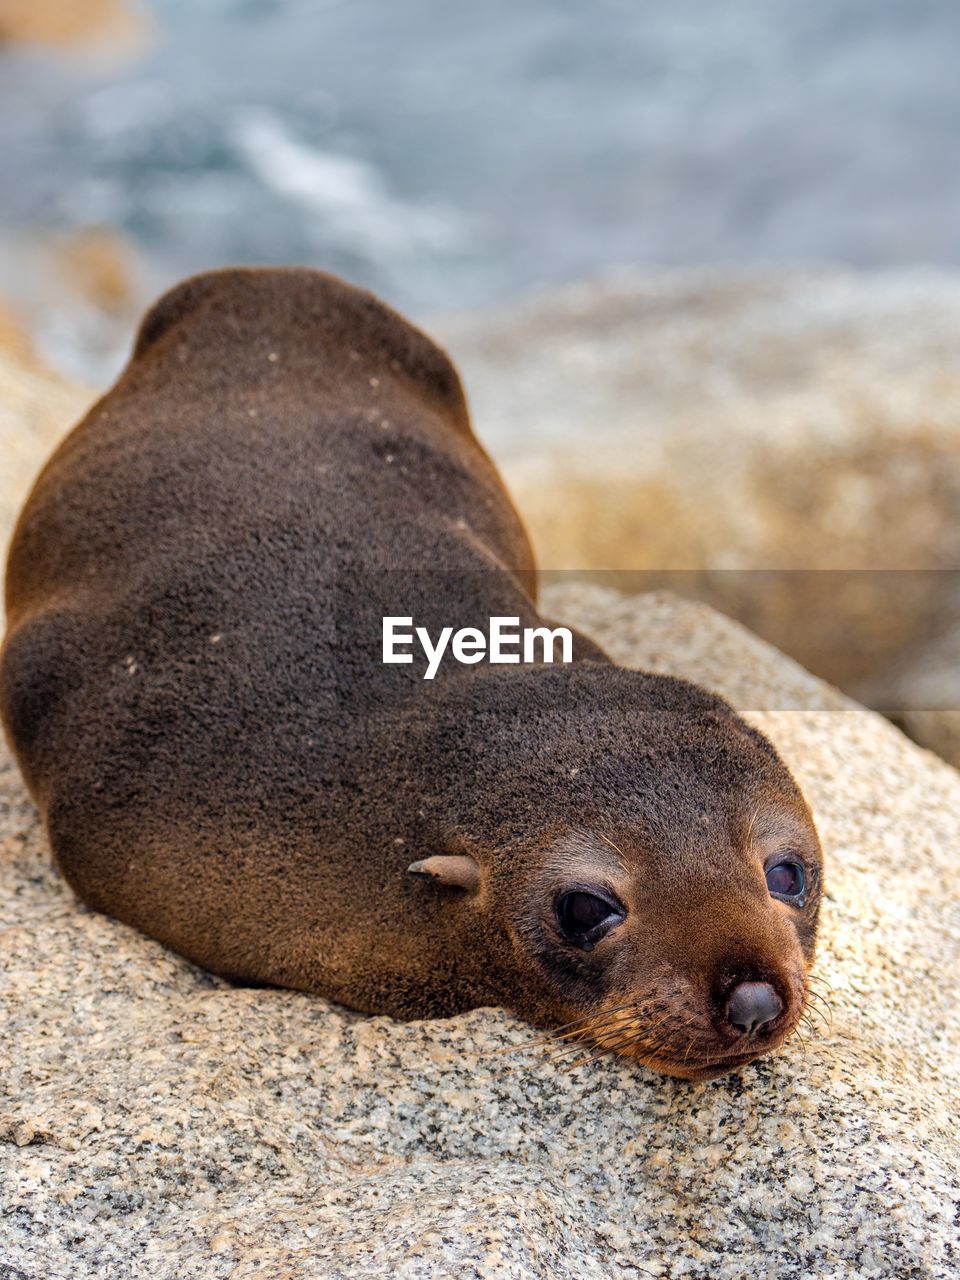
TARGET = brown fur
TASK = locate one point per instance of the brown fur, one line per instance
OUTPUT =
(191, 681)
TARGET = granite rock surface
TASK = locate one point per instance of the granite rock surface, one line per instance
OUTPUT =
(158, 1122)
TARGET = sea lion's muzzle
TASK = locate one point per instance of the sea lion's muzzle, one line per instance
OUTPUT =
(676, 1026)
(730, 1009)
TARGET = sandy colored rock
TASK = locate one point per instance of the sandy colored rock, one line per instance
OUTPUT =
(100, 265)
(80, 292)
(689, 426)
(923, 690)
(114, 24)
(159, 1123)
(15, 339)
(36, 409)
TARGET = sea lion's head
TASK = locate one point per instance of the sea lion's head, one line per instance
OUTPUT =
(645, 863)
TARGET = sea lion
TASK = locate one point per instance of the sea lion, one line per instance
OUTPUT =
(193, 685)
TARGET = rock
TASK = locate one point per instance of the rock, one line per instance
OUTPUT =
(159, 1122)
(769, 443)
(112, 25)
(80, 292)
(100, 265)
(36, 408)
(15, 339)
(922, 691)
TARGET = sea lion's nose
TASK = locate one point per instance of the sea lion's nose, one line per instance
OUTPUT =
(752, 1005)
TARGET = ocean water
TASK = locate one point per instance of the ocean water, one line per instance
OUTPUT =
(450, 155)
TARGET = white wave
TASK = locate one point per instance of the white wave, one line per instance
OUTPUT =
(348, 195)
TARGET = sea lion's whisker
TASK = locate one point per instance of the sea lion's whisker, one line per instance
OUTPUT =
(560, 1032)
(615, 847)
(553, 1045)
(651, 1045)
(573, 1046)
(551, 1054)
(814, 994)
(822, 1006)
(798, 1033)
(585, 1061)
(634, 1035)
(538, 1043)
(598, 1013)
(583, 1048)
(637, 1035)
(598, 1032)
(548, 1052)
(813, 1029)
(651, 1051)
(752, 823)
(814, 1010)
(611, 1039)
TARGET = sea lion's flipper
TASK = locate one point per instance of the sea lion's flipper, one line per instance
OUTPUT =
(38, 674)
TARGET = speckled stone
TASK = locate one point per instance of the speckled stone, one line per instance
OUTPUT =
(156, 1122)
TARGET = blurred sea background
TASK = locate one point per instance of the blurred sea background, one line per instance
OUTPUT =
(451, 156)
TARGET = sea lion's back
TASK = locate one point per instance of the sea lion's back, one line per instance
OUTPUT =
(172, 671)
(253, 401)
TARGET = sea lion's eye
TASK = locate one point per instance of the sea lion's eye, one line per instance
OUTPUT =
(584, 917)
(786, 879)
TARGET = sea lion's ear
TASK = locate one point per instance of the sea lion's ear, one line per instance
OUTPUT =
(458, 870)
